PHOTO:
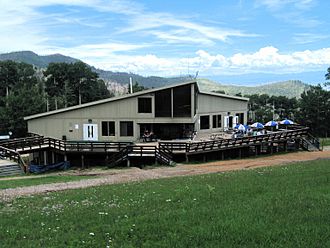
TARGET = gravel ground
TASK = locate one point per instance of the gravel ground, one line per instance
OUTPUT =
(115, 176)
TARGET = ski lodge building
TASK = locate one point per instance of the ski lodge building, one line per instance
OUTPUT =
(170, 112)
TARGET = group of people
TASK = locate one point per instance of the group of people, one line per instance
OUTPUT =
(249, 132)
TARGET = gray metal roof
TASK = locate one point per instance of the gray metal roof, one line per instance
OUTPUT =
(112, 99)
(224, 95)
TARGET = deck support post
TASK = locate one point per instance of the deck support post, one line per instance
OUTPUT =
(45, 157)
(128, 163)
(240, 153)
(82, 161)
(65, 157)
(271, 148)
(187, 158)
(53, 157)
(222, 155)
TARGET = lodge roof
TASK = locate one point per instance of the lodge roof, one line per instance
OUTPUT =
(144, 92)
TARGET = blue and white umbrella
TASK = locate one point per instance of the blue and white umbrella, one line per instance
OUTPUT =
(287, 122)
(257, 125)
(271, 124)
(240, 127)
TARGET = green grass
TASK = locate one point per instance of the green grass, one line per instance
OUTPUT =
(30, 180)
(286, 206)
(325, 141)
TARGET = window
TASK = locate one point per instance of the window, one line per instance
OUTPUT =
(182, 101)
(144, 105)
(216, 121)
(205, 122)
(240, 118)
(108, 128)
(163, 103)
(126, 128)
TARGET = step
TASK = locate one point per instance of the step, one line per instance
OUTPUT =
(10, 169)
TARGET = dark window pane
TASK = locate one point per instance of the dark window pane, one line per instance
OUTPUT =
(108, 128)
(219, 121)
(182, 101)
(111, 128)
(126, 128)
(163, 106)
(205, 122)
(144, 105)
(105, 128)
(214, 121)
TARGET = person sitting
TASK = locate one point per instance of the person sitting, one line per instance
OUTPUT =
(146, 135)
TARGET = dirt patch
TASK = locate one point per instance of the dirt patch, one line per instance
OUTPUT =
(115, 176)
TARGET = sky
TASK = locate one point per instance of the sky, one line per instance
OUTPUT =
(240, 41)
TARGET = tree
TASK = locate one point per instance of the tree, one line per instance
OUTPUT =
(72, 84)
(315, 110)
(137, 87)
(327, 77)
(20, 95)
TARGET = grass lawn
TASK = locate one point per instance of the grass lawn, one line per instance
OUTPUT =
(286, 206)
(325, 141)
(30, 180)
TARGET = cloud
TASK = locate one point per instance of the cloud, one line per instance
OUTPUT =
(306, 38)
(291, 11)
(265, 60)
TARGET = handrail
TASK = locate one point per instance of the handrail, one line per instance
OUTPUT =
(13, 155)
(193, 147)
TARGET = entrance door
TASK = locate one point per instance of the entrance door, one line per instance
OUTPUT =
(90, 132)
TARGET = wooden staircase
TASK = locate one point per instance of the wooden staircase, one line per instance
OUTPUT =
(310, 143)
(11, 163)
(8, 168)
(161, 155)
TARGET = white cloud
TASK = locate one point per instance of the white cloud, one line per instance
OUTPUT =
(291, 11)
(265, 60)
(306, 38)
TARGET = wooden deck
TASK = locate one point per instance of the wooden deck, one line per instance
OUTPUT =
(163, 150)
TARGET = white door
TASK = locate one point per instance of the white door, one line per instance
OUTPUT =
(90, 132)
(235, 122)
(225, 122)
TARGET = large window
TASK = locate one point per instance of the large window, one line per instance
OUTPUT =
(126, 128)
(240, 118)
(182, 101)
(163, 103)
(205, 122)
(216, 121)
(108, 128)
(144, 105)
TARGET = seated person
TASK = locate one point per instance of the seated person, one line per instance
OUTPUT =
(146, 135)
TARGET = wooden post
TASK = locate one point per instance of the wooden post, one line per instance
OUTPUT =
(65, 157)
(271, 148)
(53, 157)
(45, 157)
(222, 155)
(82, 161)
(240, 153)
(128, 163)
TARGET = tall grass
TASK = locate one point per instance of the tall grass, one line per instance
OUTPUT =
(285, 206)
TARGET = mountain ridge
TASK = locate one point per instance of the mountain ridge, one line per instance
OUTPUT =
(289, 88)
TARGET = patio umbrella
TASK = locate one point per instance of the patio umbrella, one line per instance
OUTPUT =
(287, 122)
(240, 127)
(257, 125)
(271, 124)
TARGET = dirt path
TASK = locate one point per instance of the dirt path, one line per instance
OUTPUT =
(135, 174)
